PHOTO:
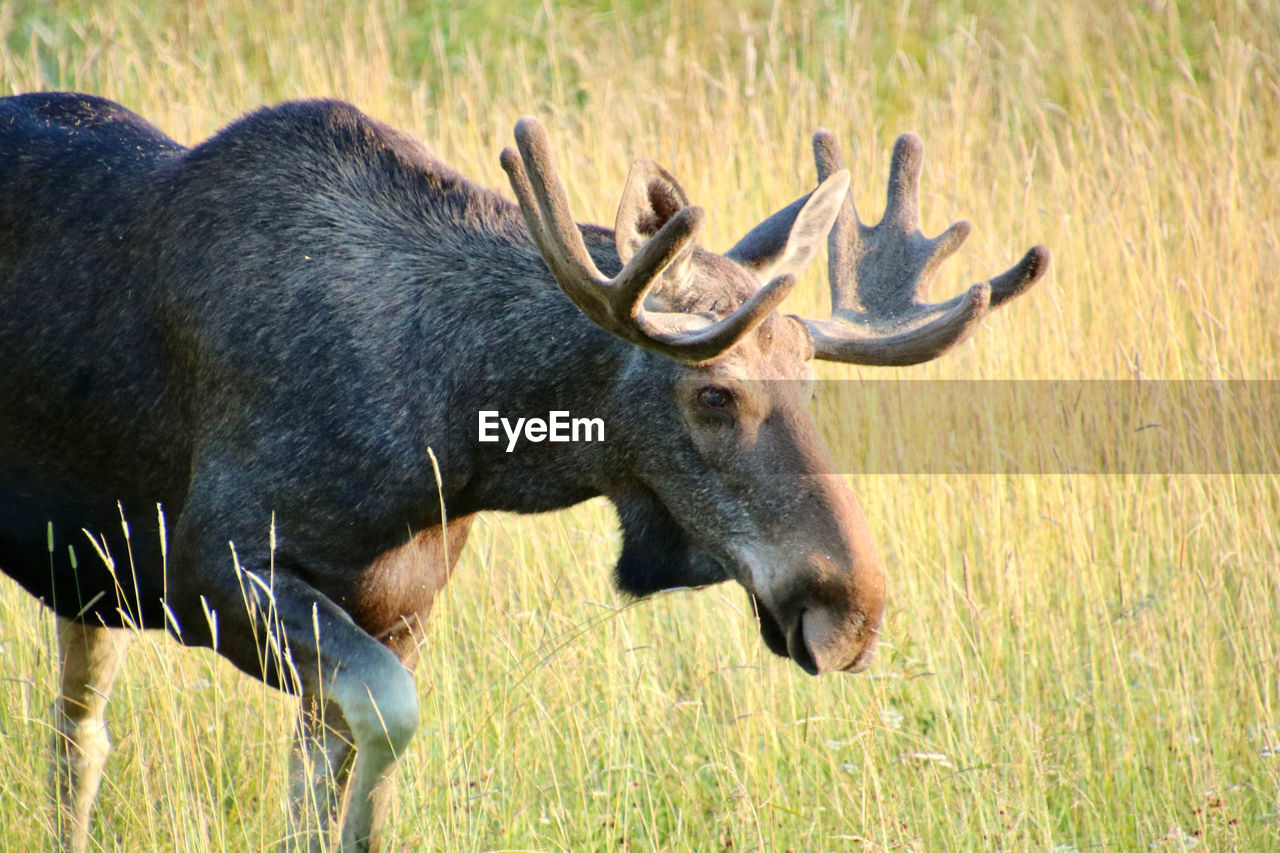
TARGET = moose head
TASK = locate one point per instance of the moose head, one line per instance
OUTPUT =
(726, 476)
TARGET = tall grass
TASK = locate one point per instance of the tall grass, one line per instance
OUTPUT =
(1070, 661)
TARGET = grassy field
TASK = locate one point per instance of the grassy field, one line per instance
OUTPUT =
(1070, 661)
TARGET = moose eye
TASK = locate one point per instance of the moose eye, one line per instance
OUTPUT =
(714, 397)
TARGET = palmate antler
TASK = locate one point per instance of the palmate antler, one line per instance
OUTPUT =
(880, 275)
(617, 305)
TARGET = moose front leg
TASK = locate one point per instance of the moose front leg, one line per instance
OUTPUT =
(319, 776)
(319, 770)
(323, 753)
(278, 626)
(377, 701)
(320, 766)
(91, 658)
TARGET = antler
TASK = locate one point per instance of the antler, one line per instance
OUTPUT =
(617, 305)
(885, 269)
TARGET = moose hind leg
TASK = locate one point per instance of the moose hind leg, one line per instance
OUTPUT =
(91, 658)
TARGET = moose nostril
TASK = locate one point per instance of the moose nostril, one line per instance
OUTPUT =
(798, 649)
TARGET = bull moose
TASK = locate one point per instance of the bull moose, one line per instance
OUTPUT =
(282, 337)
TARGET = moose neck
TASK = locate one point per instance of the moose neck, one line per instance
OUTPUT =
(543, 384)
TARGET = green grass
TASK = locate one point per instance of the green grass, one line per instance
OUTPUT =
(1087, 661)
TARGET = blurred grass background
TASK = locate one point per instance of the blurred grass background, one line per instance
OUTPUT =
(1070, 662)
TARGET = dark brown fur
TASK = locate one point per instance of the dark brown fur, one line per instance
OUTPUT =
(273, 334)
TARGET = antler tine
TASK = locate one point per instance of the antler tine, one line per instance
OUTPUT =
(902, 200)
(514, 168)
(617, 305)
(1018, 279)
(545, 205)
(843, 239)
(880, 275)
(553, 202)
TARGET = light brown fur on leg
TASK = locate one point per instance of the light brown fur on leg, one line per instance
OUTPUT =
(91, 659)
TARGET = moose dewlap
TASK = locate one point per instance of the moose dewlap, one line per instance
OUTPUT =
(271, 335)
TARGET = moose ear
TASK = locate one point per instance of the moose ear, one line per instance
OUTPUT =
(649, 200)
(786, 242)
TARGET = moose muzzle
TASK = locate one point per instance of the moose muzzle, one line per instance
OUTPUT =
(823, 609)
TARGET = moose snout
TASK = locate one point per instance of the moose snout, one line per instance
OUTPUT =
(826, 613)
(868, 654)
(823, 641)
(831, 623)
